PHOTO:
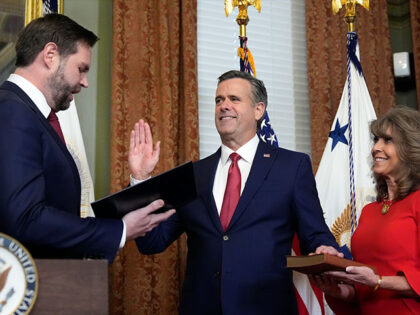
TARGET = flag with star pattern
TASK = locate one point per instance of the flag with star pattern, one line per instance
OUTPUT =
(344, 179)
(309, 300)
(266, 132)
(246, 63)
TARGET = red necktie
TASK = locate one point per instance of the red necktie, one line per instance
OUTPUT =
(232, 192)
(53, 120)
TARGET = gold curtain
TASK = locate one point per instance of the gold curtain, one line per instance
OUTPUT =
(154, 77)
(327, 59)
(415, 31)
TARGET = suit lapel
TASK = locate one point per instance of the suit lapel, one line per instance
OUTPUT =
(263, 161)
(207, 170)
(31, 105)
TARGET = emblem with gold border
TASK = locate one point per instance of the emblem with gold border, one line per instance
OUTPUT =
(18, 277)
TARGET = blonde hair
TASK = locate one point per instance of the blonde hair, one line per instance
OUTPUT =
(404, 124)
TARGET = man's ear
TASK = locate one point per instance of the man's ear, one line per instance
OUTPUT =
(259, 110)
(50, 54)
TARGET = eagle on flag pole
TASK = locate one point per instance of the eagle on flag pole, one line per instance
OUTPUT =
(309, 299)
(343, 179)
(69, 120)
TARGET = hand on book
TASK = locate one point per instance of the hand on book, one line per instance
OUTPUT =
(327, 250)
(143, 155)
(143, 220)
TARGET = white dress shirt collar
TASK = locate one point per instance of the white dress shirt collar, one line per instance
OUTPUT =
(247, 151)
(33, 92)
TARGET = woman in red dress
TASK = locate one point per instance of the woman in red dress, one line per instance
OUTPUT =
(388, 233)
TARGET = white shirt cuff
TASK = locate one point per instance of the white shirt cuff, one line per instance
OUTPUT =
(134, 181)
(124, 235)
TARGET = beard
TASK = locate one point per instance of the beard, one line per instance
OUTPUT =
(61, 89)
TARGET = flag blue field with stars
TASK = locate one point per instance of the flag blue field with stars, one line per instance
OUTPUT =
(344, 179)
(266, 132)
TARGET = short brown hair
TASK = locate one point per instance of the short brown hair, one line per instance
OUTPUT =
(55, 28)
(404, 124)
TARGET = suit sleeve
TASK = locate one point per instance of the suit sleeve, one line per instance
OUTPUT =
(27, 211)
(311, 227)
(157, 240)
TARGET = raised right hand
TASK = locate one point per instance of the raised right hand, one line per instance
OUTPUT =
(143, 155)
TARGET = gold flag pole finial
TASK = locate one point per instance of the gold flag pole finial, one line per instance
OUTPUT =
(350, 16)
(242, 5)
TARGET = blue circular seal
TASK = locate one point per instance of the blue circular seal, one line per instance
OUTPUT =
(18, 277)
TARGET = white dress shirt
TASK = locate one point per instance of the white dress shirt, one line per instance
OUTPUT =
(40, 101)
(247, 153)
(32, 91)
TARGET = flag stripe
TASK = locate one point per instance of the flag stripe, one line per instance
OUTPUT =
(308, 302)
(302, 310)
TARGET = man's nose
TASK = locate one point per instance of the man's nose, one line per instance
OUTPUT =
(226, 105)
(84, 81)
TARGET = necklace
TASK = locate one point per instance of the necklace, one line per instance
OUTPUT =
(386, 205)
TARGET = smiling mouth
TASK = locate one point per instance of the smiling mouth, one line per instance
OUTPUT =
(380, 159)
(226, 118)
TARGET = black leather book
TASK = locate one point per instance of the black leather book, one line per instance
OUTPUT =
(176, 187)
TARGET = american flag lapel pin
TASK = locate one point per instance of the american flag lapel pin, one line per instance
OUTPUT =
(266, 155)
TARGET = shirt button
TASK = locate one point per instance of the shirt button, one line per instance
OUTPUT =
(225, 237)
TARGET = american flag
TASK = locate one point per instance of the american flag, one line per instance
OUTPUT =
(266, 132)
(50, 6)
(309, 299)
(246, 63)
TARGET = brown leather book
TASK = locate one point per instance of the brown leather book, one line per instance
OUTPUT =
(320, 263)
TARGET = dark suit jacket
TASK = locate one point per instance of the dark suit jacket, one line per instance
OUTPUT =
(242, 271)
(40, 187)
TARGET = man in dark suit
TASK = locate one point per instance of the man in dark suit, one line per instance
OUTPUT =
(39, 182)
(236, 258)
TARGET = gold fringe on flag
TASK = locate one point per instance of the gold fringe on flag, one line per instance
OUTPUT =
(241, 54)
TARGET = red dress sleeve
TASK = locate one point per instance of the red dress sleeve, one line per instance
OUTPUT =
(391, 242)
(412, 271)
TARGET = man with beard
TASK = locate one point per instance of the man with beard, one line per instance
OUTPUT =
(40, 185)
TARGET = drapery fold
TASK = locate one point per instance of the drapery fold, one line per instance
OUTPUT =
(415, 34)
(327, 62)
(154, 77)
